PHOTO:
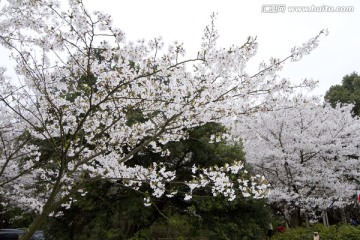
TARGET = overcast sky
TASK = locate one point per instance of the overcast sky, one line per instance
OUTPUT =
(337, 55)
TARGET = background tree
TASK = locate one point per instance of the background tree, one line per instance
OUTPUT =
(347, 92)
(307, 151)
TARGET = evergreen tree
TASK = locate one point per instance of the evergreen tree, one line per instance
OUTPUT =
(347, 92)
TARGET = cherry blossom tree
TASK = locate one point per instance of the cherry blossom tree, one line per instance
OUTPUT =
(87, 100)
(307, 151)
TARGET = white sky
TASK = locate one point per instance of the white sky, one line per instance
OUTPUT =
(337, 55)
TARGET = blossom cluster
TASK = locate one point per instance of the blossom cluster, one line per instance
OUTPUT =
(308, 151)
(89, 100)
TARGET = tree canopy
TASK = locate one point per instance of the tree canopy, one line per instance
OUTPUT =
(307, 151)
(347, 92)
(87, 101)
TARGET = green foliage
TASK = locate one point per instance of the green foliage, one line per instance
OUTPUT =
(348, 92)
(334, 232)
(212, 218)
(204, 153)
(240, 219)
(107, 212)
(110, 211)
(176, 227)
(14, 217)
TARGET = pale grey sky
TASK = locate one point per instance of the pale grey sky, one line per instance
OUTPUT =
(338, 53)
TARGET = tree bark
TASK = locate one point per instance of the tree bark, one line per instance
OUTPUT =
(325, 218)
(343, 215)
(307, 221)
(51, 205)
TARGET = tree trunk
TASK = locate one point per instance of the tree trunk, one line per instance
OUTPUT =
(295, 217)
(51, 205)
(307, 221)
(287, 216)
(343, 215)
(36, 224)
(325, 218)
(39, 220)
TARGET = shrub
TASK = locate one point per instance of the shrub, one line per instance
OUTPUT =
(334, 232)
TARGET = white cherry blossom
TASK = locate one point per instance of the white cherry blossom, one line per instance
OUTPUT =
(88, 101)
